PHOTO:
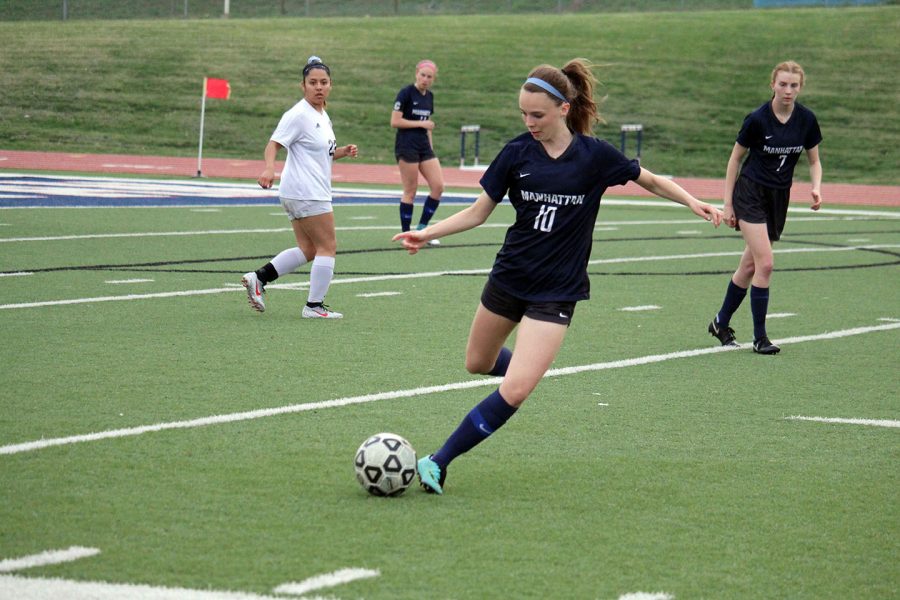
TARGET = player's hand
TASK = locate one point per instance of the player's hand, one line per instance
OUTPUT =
(708, 212)
(411, 240)
(816, 199)
(352, 150)
(728, 216)
(265, 179)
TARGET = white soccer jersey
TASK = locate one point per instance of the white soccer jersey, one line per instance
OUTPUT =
(309, 138)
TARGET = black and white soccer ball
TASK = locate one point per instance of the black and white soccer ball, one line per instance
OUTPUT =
(385, 464)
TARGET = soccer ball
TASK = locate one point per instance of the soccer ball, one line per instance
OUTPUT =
(385, 464)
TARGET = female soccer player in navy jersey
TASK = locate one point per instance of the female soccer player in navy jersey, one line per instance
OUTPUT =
(554, 175)
(756, 201)
(305, 192)
(414, 146)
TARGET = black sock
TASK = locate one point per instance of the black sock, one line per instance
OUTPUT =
(266, 274)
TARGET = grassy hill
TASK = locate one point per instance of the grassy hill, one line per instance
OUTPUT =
(688, 77)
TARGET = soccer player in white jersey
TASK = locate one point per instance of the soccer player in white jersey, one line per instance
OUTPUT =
(756, 199)
(554, 175)
(305, 192)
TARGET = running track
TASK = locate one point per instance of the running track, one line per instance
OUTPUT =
(350, 171)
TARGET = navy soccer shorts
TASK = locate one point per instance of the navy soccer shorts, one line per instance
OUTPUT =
(508, 306)
(756, 203)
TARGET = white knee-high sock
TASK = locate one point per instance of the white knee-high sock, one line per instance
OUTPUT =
(288, 261)
(320, 278)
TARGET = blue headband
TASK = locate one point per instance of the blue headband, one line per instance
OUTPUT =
(544, 85)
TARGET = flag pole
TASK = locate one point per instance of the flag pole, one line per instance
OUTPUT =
(202, 118)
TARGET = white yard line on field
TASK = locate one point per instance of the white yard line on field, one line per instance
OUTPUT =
(42, 588)
(426, 274)
(408, 393)
(327, 580)
(39, 588)
(50, 557)
(870, 422)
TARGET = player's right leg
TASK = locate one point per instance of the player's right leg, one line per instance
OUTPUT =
(409, 179)
(255, 281)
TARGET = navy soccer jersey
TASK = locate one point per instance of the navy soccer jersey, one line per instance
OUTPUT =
(545, 254)
(775, 147)
(415, 106)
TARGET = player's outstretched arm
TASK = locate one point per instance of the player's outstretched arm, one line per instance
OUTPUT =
(668, 189)
(468, 218)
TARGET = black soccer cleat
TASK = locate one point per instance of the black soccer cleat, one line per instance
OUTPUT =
(724, 334)
(764, 346)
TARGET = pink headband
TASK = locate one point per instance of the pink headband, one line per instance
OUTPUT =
(426, 63)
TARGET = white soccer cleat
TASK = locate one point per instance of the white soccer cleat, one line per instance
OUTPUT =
(255, 291)
(320, 311)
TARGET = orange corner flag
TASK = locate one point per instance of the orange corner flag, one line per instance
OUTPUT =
(218, 88)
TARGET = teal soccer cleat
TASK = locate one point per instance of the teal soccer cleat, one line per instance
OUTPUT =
(431, 475)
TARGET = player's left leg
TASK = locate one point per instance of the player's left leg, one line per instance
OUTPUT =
(756, 235)
(319, 230)
(537, 343)
(434, 176)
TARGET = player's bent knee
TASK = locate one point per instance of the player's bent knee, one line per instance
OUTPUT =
(477, 366)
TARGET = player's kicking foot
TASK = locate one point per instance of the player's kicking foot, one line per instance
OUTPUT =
(764, 346)
(431, 475)
(255, 291)
(320, 311)
(725, 335)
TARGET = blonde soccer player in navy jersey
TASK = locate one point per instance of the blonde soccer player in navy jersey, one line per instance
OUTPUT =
(414, 145)
(756, 200)
(554, 175)
(305, 193)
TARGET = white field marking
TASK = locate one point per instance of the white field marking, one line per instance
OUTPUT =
(206, 210)
(378, 294)
(780, 315)
(889, 320)
(364, 218)
(859, 240)
(409, 393)
(18, 274)
(647, 596)
(689, 232)
(602, 404)
(871, 422)
(640, 308)
(605, 226)
(101, 236)
(324, 581)
(39, 588)
(50, 557)
(350, 280)
(118, 281)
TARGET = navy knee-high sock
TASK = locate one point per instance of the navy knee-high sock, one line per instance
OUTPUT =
(406, 212)
(483, 420)
(502, 363)
(734, 295)
(759, 306)
(428, 210)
